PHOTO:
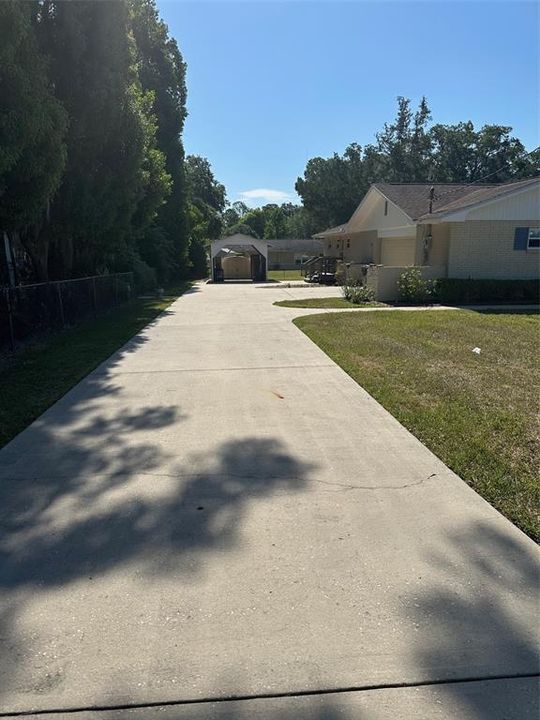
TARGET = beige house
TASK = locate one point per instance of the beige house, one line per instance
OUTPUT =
(447, 230)
(290, 254)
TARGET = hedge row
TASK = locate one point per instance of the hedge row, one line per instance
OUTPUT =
(450, 290)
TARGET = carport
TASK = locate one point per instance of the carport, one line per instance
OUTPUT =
(239, 257)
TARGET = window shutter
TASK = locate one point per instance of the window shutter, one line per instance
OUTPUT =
(521, 235)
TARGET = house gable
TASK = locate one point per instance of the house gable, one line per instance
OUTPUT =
(524, 204)
(377, 212)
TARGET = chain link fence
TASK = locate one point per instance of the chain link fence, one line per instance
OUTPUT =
(27, 310)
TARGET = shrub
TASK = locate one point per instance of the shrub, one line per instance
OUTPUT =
(358, 294)
(413, 288)
(469, 291)
(144, 275)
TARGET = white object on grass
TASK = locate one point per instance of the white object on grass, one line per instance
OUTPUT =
(476, 350)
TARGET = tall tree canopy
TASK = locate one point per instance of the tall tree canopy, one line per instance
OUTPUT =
(162, 71)
(206, 203)
(269, 221)
(410, 150)
(331, 188)
(92, 175)
(32, 126)
(115, 176)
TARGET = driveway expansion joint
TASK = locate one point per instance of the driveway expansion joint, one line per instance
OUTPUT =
(268, 696)
(347, 486)
(218, 369)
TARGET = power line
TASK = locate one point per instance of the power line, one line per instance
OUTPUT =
(484, 177)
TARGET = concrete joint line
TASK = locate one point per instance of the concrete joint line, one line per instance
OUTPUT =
(267, 696)
(228, 476)
(346, 486)
(221, 369)
(174, 476)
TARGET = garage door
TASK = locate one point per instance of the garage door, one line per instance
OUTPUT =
(398, 252)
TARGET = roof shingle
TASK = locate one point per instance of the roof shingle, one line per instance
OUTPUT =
(414, 198)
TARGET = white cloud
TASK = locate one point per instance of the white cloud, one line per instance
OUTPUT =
(263, 196)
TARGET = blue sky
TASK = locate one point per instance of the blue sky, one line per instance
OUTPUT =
(272, 84)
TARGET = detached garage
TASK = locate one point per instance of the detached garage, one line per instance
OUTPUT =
(239, 257)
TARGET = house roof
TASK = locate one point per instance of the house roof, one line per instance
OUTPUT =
(239, 238)
(307, 246)
(414, 198)
(479, 195)
(332, 231)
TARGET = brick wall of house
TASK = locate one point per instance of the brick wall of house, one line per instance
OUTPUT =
(485, 249)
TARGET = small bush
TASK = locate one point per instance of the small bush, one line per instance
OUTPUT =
(469, 291)
(358, 294)
(145, 276)
(413, 288)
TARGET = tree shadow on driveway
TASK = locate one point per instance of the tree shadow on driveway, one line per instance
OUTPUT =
(480, 632)
(93, 497)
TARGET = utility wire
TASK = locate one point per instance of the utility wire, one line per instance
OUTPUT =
(484, 177)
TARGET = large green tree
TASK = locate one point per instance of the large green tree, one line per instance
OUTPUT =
(203, 186)
(115, 176)
(332, 187)
(207, 200)
(403, 150)
(461, 154)
(162, 71)
(32, 129)
(410, 150)
(269, 221)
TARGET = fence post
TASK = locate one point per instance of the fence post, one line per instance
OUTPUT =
(94, 298)
(61, 304)
(10, 320)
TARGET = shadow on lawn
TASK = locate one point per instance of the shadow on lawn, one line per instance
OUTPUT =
(507, 310)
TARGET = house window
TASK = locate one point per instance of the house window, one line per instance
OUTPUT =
(386, 207)
(533, 241)
(348, 242)
(330, 245)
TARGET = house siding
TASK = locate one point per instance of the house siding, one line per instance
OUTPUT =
(382, 279)
(514, 207)
(361, 247)
(282, 260)
(399, 251)
(437, 252)
(333, 246)
(485, 249)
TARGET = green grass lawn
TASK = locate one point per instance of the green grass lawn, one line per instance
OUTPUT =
(478, 413)
(38, 376)
(330, 302)
(285, 275)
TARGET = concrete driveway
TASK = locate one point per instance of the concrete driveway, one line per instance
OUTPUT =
(219, 511)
